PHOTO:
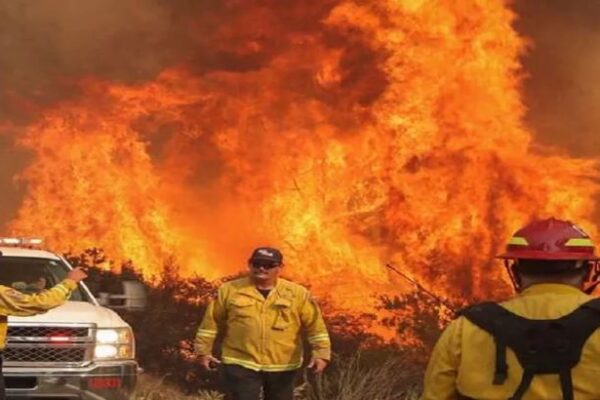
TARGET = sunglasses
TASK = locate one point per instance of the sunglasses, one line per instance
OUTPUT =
(264, 264)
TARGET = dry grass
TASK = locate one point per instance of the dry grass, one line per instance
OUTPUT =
(351, 379)
(153, 388)
(347, 379)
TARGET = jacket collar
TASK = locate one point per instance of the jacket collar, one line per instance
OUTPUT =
(550, 288)
(249, 289)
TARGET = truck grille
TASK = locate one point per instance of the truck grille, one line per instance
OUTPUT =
(48, 354)
(58, 345)
(46, 331)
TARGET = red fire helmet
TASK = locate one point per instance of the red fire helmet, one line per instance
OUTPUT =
(550, 239)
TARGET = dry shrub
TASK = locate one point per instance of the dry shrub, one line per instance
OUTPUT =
(150, 388)
(354, 378)
(418, 320)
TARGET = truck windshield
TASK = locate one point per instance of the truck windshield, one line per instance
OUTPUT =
(32, 275)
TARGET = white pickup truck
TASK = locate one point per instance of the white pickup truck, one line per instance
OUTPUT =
(79, 350)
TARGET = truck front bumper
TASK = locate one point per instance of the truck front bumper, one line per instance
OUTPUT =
(97, 381)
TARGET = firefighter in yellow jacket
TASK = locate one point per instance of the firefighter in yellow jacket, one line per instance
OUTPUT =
(542, 344)
(262, 318)
(13, 302)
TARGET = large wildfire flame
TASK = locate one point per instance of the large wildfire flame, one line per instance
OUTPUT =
(350, 134)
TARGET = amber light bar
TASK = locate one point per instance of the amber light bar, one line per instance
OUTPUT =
(13, 241)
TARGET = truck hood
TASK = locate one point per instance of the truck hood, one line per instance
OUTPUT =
(77, 312)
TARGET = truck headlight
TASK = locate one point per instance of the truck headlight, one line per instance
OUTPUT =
(114, 344)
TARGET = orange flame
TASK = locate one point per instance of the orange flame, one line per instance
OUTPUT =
(391, 131)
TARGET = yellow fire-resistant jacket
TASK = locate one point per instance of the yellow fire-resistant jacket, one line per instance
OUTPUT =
(263, 334)
(463, 360)
(13, 302)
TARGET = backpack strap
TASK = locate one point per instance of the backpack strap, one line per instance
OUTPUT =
(501, 372)
(486, 316)
(587, 317)
(566, 384)
(593, 304)
(523, 385)
(581, 324)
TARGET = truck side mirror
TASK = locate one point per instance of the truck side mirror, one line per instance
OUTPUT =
(134, 297)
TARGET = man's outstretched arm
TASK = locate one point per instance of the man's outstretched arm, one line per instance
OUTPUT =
(13, 302)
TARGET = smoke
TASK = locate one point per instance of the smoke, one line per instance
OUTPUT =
(563, 65)
(47, 45)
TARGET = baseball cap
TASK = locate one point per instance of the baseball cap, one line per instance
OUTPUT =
(267, 254)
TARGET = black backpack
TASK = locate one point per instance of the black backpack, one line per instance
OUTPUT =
(550, 346)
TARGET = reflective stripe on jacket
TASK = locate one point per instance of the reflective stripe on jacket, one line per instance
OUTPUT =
(463, 360)
(263, 334)
(13, 302)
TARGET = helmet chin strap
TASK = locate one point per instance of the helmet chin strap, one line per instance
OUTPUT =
(593, 277)
(514, 277)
